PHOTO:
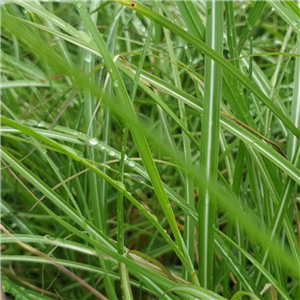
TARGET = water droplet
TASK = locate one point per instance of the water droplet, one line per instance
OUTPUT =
(41, 124)
(45, 151)
(79, 153)
(88, 57)
(125, 157)
(93, 142)
(75, 133)
(79, 4)
(13, 225)
(25, 11)
(110, 70)
(131, 163)
(116, 83)
(102, 147)
(111, 153)
(185, 47)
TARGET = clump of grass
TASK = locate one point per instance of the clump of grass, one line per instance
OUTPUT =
(150, 150)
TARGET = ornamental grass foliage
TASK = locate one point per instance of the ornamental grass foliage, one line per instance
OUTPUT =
(150, 150)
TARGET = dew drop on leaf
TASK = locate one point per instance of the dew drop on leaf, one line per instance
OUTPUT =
(93, 142)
